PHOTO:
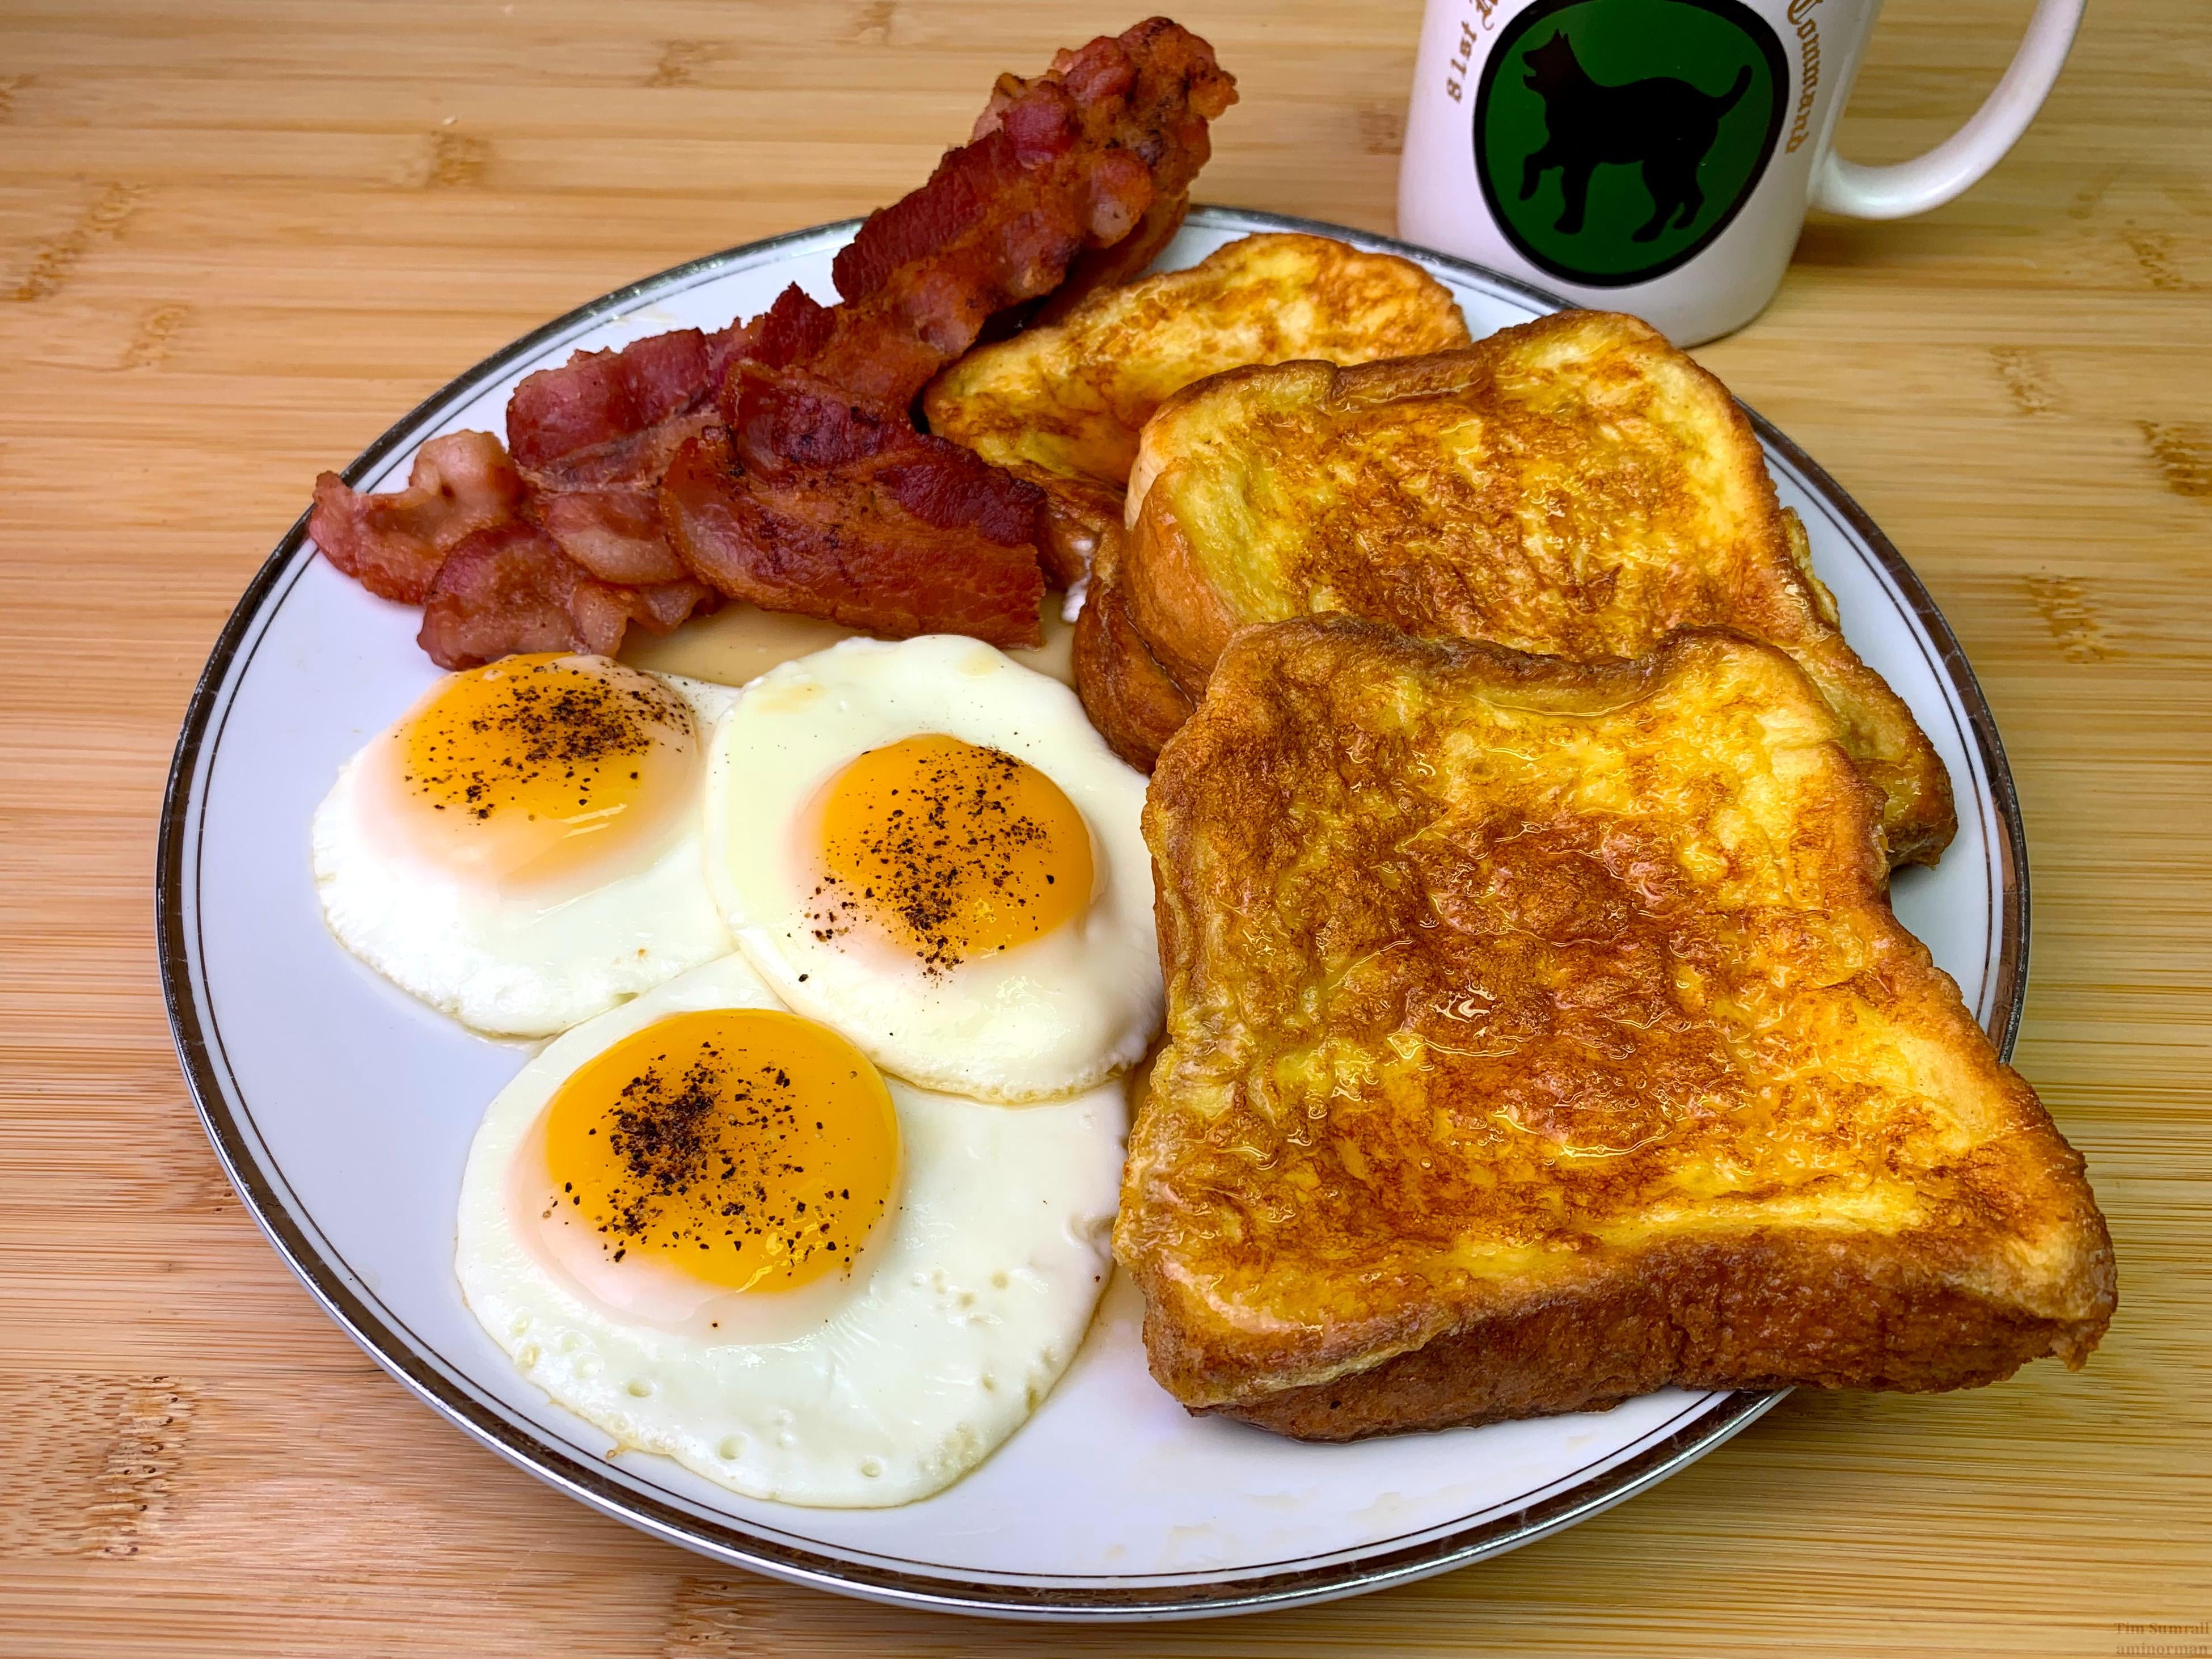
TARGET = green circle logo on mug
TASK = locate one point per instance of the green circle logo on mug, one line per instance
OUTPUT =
(1616, 139)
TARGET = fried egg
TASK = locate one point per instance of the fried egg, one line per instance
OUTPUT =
(521, 849)
(931, 850)
(712, 1228)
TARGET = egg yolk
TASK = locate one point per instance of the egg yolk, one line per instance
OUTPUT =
(948, 849)
(751, 1149)
(535, 769)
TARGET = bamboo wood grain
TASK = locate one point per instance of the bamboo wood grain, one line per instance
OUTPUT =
(237, 240)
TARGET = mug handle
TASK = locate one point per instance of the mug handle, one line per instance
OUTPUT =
(1930, 180)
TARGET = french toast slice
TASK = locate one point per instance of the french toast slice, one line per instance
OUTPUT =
(1061, 404)
(1540, 1033)
(1573, 486)
(1130, 698)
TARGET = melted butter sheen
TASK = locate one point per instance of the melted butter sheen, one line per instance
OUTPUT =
(747, 1148)
(949, 850)
(537, 769)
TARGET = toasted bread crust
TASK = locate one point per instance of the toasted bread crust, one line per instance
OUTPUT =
(1770, 1312)
(1919, 816)
(1129, 697)
(1572, 486)
(1172, 601)
(1540, 1033)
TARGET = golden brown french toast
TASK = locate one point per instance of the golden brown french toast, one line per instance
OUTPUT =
(1130, 698)
(1061, 404)
(1540, 1033)
(1573, 486)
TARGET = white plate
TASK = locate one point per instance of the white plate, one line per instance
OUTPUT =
(343, 1110)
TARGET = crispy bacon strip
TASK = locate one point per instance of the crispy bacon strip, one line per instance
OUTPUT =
(511, 588)
(822, 480)
(894, 544)
(392, 545)
(469, 531)
(614, 533)
(788, 421)
(777, 461)
(789, 417)
(617, 416)
(501, 590)
(1058, 169)
(461, 537)
(599, 396)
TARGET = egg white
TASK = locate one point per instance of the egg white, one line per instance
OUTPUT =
(961, 1313)
(1057, 1014)
(517, 966)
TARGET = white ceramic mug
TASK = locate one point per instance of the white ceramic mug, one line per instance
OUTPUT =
(1657, 156)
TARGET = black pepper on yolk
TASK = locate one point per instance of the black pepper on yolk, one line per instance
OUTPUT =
(949, 850)
(746, 1147)
(534, 768)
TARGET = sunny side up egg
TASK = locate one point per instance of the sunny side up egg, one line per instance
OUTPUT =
(521, 849)
(710, 1227)
(931, 849)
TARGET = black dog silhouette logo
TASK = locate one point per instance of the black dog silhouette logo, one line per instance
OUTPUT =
(1616, 139)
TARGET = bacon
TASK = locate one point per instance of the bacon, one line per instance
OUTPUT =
(661, 607)
(777, 460)
(620, 416)
(790, 417)
(501, 591)
(1059, 167)
(511, 588)
(928, 220)
(617, 416)
(821, 476)
(782, 422)
(851, 543)
(1173, 89)
(492, 561)
(614, 533)
(952, 488)
(598, 398)
(393, 545)
(1123, 262)
(790, 331)
(635, 457)
(603, 609)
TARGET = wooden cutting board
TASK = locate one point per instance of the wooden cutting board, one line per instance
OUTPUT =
(237, 240)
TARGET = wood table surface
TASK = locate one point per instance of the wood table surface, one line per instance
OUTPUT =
(237, 240)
